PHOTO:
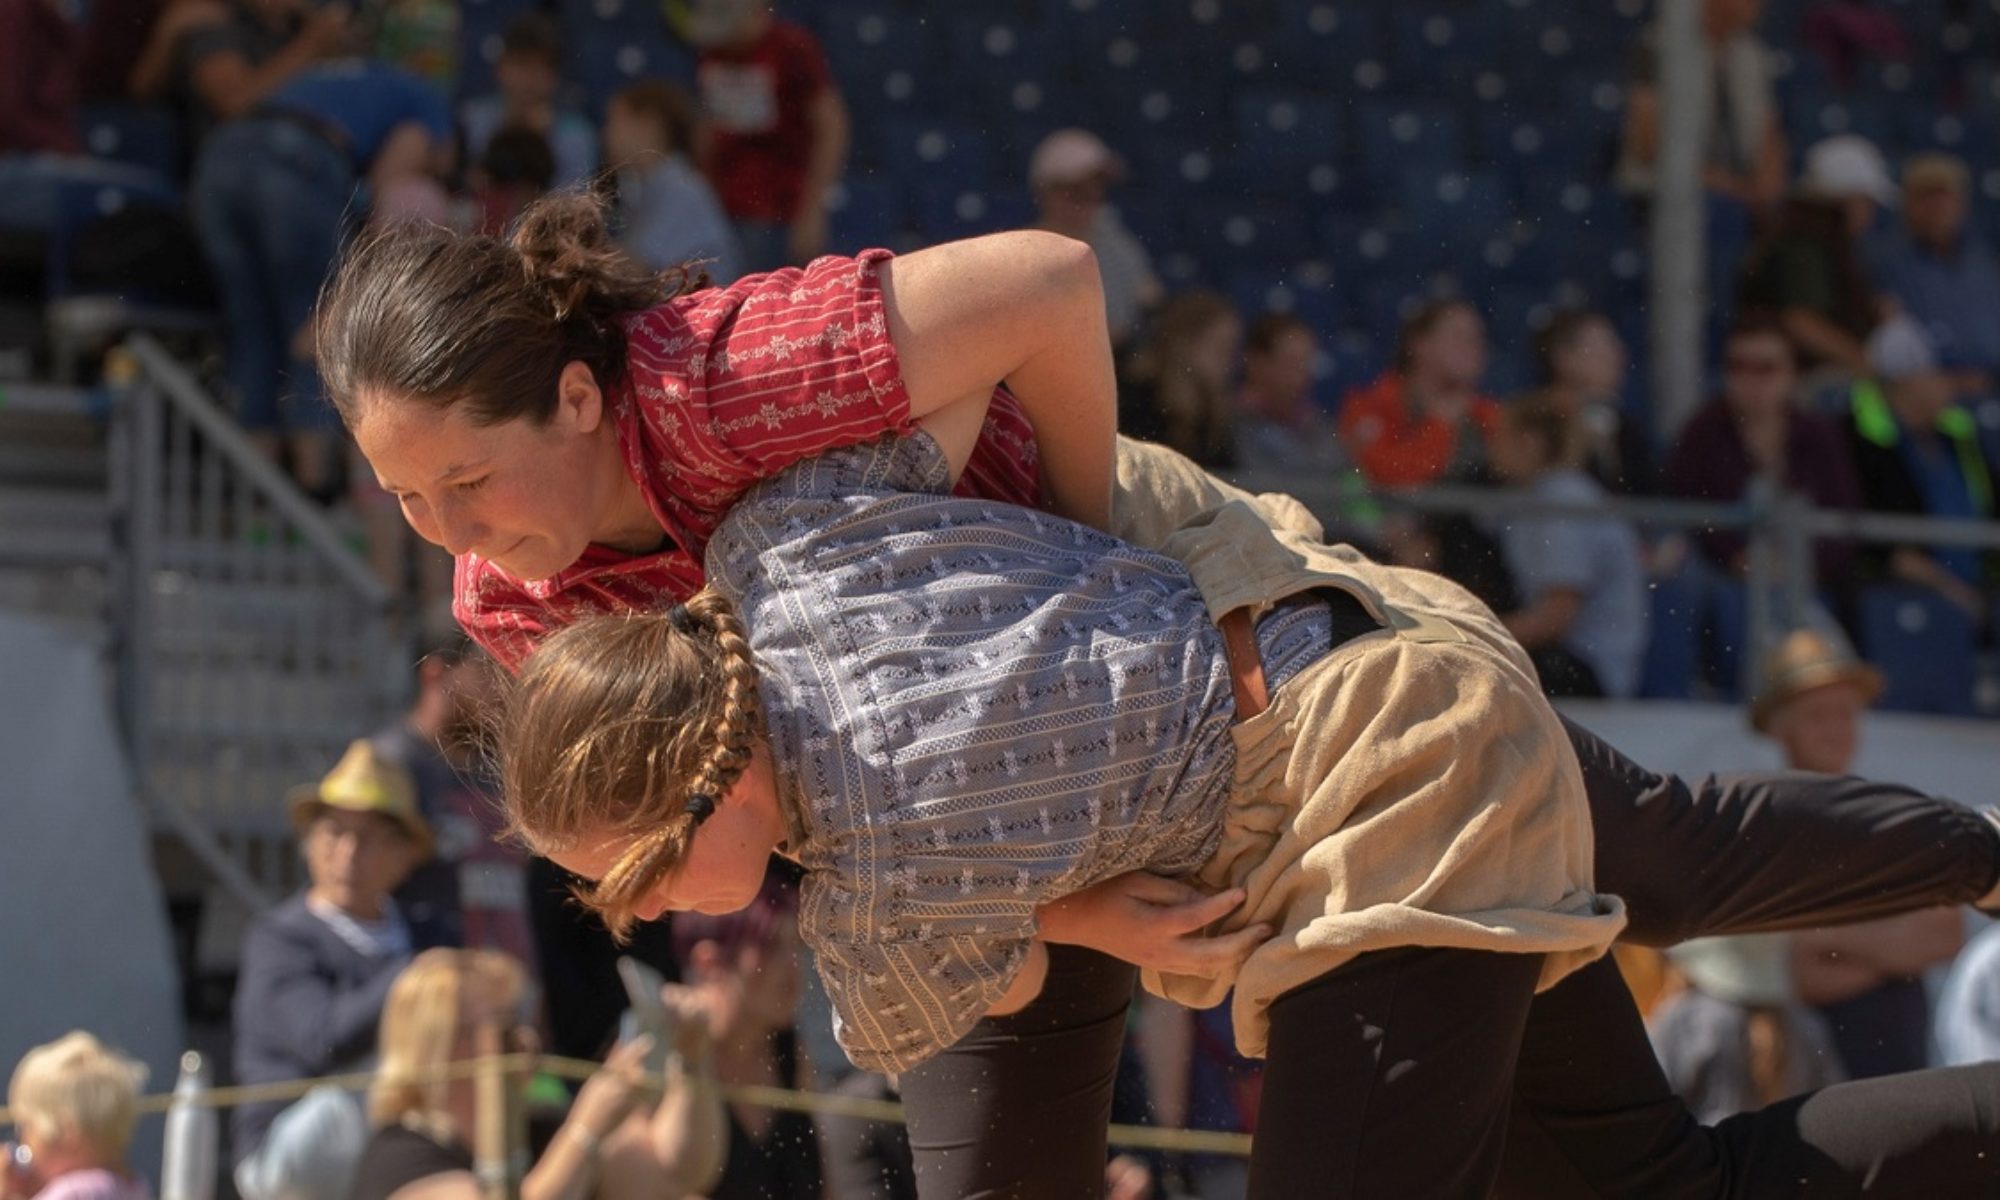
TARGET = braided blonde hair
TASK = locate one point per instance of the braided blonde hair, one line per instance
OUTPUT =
(633, 725)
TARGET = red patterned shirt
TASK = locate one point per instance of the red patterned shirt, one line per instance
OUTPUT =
(722, 389)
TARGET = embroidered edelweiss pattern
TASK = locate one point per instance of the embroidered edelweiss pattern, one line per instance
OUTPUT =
(721, 389)
(976, 708)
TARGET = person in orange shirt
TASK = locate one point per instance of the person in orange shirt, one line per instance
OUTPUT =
(1408, 427)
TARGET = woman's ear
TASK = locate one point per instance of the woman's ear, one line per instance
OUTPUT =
(579, 401)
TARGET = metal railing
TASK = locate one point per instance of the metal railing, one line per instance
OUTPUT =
(252, 643)
(1780, 528)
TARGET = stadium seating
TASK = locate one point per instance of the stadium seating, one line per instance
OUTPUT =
(1924, 646)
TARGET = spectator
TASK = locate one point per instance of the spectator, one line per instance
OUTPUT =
(1944, 274)
(1736, 1038)
(1744, 150)
(743, 969)
(115, 34)
(448, 1006)
(528, 75)
(74, 1102)
(1424, 420)
(1582, 582)
(1917, 452)
(516, 169)
(777, 130)
(1277, 423)
(38, 71)
(315, 971)
(667, 214)
(1862, 978)
(1581, 361)
(1198, 1080)
(1178, 380)
(1753, 430)
(217, 61)
(1071, 173)
(1808, 266)
(475, 887)
(1846, 33)
(270, 195)
(1968, 1007)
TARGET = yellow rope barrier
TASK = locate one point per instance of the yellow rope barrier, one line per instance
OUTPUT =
(1135, 1137)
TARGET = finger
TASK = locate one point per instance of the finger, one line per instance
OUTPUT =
(629, 1056)
(1158, 889)
(1205, 911)
(1216, 956)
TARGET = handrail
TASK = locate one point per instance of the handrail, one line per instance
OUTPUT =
(1321, 494)
(188, 398)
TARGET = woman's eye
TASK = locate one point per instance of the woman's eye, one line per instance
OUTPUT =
(473, 485)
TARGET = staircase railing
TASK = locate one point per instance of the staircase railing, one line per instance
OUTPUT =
(252, 642)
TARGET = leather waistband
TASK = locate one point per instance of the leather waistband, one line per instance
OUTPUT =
(1351, 619)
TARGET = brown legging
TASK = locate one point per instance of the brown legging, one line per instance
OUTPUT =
(1019, 1108)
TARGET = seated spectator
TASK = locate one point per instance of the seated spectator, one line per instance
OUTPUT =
(1743, 153)
(777, 129)
(1277, 424)
(1863, 979)
(1071, 174)
(270, 195)
(1809, 268)
(667, 215)
(1581, 361)
(418, 36)
(1968, 1007)
(1736, 1037)
(316, 969)
(115, 33)
(73, 1102)
(1582, 583)
(743, 970)
(217, 61)
(449, 1006)
(1847, 33)
(1917, 452)
(1176, 386)
(38, 68)
(1425, 419)
(516, 169)
(1944, 274)
(1753, 430)
(474, 888)
(528, 76)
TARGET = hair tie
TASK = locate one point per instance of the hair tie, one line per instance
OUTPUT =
(700, 807)
(680, 618)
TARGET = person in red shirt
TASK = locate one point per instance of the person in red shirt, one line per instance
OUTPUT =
(1425, 419)
(775, 127)
(580, 464)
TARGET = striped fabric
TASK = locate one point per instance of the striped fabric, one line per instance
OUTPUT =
(724, 388)
(974, 708)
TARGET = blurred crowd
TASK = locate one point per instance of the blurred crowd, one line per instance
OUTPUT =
(1862, 338)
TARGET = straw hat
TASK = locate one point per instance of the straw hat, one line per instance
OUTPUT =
(1805, 660)
(365, 782)
(1749, 969)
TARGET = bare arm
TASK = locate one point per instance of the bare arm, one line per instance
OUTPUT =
(1025, 308)
(231, 86)
(1831, 965)
(1548, 620)
(149, 75)
(1642, 124)
(831, 134)
(1825, 339)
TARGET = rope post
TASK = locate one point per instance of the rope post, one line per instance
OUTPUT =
(493, 1141)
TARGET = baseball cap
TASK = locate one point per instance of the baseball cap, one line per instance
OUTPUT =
(1071, 155)
(1848, 165)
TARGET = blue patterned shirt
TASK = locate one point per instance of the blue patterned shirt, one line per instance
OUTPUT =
(973, 709)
